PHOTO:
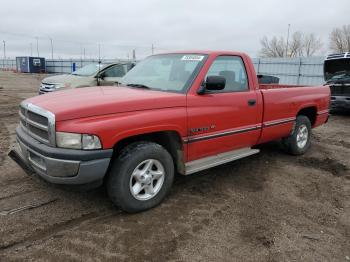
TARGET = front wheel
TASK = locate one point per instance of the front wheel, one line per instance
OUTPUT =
(298, 142)
(140, 177)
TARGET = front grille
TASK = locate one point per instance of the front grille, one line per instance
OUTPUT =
(45, 88)
(341, 90)
(38, 123)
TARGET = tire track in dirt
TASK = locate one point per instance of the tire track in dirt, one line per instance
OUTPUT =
(114, 234)
(4, 141)
(326, 164)
(257, 227)
(51, 231)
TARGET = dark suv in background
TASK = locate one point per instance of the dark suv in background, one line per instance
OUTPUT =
(337, 76)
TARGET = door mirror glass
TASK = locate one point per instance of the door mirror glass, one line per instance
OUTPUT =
(215, 83)
(102, 75)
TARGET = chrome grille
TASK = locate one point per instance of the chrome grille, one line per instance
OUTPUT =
(45, 87)
(38, 123)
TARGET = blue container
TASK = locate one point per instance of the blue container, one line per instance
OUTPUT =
(29, 64)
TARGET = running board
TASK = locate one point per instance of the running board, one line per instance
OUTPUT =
(211, 161)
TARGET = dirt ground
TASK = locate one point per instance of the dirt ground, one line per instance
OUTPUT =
(268, 207)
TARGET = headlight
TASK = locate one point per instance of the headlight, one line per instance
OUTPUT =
(77, 141)
(57, 86)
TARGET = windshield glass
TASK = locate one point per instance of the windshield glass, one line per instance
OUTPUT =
(169, 72)
(336, 69)
(88, 70)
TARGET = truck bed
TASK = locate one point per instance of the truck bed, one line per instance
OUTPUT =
(281, 103)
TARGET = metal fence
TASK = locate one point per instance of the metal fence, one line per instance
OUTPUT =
(65, 66)
(296, 71)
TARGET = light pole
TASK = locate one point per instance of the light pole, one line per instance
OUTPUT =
(287, 40)
(3, 62)
(37, 45)
(31, 49)
(4, 48)
(51, 48)
(99, 53)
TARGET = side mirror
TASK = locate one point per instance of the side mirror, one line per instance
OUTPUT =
(101, 75)
(215, 83)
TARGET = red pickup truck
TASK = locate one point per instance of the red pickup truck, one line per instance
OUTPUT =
(172, 113)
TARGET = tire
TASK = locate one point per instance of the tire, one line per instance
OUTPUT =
(140, 165)
(299, 142)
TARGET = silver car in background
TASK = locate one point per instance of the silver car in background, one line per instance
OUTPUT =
(89, 75)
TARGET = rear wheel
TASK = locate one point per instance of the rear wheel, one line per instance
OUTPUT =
(299, 141)
(140, 177)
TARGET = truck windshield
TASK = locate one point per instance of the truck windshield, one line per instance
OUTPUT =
(168, 72)
(88, 70)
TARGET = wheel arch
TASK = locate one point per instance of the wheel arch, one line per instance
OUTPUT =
(310, 112)
(171, 140)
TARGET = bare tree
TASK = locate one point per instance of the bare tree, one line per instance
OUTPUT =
(311, 44)
(272, 48)
(296, 45)
(300, 45)
(340, 39)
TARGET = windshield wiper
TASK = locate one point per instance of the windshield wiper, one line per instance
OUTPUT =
(138, 86)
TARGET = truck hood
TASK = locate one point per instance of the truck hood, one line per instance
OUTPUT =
(94, 101)
(60, 79)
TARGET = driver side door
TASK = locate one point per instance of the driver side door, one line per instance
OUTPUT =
(113, 75)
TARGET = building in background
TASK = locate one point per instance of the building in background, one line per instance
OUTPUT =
(29, 64)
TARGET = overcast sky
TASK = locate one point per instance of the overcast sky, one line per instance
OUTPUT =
(120, 26)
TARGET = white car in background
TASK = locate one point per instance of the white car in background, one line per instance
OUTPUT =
(89, 75)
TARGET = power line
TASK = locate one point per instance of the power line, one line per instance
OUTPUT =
(81, 42)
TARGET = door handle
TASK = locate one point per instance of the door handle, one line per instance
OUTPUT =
(251, 102)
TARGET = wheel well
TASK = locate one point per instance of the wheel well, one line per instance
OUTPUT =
(309, 112)
(170, 140)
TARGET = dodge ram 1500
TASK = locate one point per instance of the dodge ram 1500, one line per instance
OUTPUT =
(173, 113)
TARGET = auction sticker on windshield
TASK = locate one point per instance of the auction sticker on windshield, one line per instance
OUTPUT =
(192, 57)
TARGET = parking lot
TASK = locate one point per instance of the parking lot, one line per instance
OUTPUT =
(268, 207)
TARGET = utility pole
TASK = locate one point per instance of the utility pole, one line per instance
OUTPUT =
(287, 40)
(4, 49)
(99, 53)
(37, 45)
(134, 54)
(51, 48)
(84, 53)
(31, 49)
(3, 62)
(152, 49)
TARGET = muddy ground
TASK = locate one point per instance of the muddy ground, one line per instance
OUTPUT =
(268, 207)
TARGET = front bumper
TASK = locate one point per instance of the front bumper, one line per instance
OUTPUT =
(340, 102)
(59, 165)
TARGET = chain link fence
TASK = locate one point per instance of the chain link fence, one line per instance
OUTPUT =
(295, 71)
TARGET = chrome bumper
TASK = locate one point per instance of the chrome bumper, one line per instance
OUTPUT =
(57, 165)
(340, 102)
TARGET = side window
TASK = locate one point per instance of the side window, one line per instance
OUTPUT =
(233, 69)
(115, 71)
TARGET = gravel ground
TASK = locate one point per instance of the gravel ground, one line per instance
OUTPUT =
(268, 207)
